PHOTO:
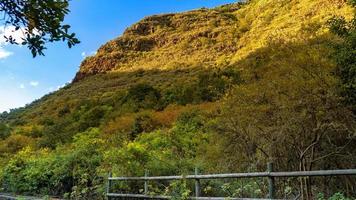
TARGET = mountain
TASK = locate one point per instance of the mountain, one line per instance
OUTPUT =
(215, 88)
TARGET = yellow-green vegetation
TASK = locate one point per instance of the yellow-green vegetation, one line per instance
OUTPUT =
(212, 37)
(225, 89)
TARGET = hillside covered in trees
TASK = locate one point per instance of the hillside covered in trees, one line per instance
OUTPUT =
(226, 89)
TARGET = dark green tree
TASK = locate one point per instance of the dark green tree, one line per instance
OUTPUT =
(143, 95)
(4, 131)
(41, 21)
(345, 56)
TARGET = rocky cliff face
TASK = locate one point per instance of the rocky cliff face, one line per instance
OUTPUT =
(168, 41)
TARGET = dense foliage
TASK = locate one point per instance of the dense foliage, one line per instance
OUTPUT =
(345, 56)
(40, 22)
(218, 89)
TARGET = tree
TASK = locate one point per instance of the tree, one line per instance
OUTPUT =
(4, 131)
(345, 54)
(39, 21)
(289, 112)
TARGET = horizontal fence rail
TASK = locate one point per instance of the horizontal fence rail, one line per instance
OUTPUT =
(197, 177)
(4, 196)
(142, 196)
(243, 175)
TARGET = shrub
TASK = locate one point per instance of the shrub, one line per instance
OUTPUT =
(4, 131)
(69, 169)
(14, 143)
(92, 118)
(142, 95)
(142, 123)
(178, 190)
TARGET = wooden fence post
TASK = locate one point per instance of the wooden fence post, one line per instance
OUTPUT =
(146, 183)
(108, 187)
(270, 181)
(197, 184)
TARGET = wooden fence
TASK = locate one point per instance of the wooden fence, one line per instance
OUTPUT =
(269, 174)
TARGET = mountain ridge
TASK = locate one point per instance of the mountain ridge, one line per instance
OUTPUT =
(226, 89)
(180, 40)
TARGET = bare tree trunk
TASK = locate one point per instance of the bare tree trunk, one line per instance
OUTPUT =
(306, 185)
(310, 168)
(303, 188)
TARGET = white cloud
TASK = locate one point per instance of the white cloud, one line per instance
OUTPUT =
(86, 54)
(22, 86)
(4, 53)
(7, 31)
(52, 89)
(34, 83)
(61, 86)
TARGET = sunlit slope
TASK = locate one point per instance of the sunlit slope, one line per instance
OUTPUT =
(212, 37)
(268, 20)
(173, 50)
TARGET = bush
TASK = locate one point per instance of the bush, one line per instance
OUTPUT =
(172, 151)
(336, 196)
(92, 118)
(345, 56)
(178, 190)
(142, 123)
(181, 95)
(209, 86)
(141, 96)
(14, 143)
(4, 131)
(68, 169)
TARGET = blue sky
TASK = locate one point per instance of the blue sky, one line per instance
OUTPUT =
(24, 79)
